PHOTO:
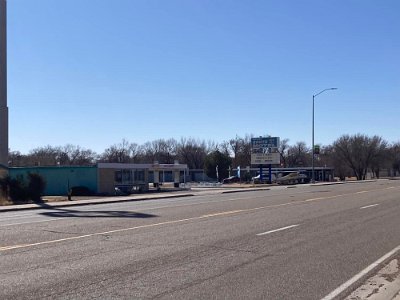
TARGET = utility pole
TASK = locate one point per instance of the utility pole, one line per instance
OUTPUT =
(3, 86)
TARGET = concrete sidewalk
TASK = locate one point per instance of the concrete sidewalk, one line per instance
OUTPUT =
(100, 200)
(384, 285)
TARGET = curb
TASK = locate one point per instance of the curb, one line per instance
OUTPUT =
(242, 191)
(86, 202)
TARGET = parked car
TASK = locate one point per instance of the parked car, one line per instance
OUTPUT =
(256, 179)
(293, 178)
(231, 179)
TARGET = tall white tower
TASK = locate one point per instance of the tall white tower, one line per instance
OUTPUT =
(3, 86)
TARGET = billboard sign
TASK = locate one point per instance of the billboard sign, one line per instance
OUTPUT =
(264, 151)
(265, 142)
(265, 158)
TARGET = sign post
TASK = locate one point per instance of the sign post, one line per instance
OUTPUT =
(270, 174)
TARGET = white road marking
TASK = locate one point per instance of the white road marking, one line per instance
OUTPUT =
(357, 277)
(368, 206)
(328, 197)
(219, 200)
(142, 209)
(196, 203)
(33, 215)
(22, 223)
(276, 230)
(362, 192)
(6, 248)
(315, 199)
(223, 213)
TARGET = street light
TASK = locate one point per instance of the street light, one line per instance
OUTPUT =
(312, 160)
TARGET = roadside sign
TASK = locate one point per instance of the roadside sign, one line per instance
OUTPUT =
(316, 149)
(265, 158)
(265, 142)
(264, 151)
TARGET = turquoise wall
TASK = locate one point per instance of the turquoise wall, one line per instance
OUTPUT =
(58, 179)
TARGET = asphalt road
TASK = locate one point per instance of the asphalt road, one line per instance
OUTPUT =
(296, 243)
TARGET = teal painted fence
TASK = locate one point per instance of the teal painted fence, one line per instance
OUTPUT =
(59, 179)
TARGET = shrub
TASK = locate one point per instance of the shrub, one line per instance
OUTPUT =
(36, 187)
(81, 191)
(19, 191)
(4, 185)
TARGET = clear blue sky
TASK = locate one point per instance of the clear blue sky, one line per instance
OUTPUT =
(92, 72)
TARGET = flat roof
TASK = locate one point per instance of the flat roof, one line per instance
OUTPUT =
(150, 167)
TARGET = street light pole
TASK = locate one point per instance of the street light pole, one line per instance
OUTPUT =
(312, 150)
(3, 88)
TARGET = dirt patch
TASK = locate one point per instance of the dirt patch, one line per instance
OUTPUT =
(65, 198)
(5, 202)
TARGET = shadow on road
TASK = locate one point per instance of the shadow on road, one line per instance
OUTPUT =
(58, 212)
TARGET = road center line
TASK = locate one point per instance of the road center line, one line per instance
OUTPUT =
(223, 213)
(93, 234)
(315, 199)
(358, 276)
(368, 206)
(328, 197)
(276, 230)
(6, 248)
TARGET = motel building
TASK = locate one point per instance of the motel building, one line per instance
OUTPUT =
(106, 178)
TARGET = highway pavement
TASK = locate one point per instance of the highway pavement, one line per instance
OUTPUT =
(302, 242)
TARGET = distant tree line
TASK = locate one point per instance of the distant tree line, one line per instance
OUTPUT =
(350, 155)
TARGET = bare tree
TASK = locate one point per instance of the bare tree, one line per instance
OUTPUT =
(394, 157)
(75, 155)
(360, 152)
(52, 156)
(241, 150)
(328, 157)
(123, 152)
(212, 146)
(283, 151)
(16, 159)
(163, 151)
(43, 156)
(224, 148)
(192, 152)
(298, 155)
